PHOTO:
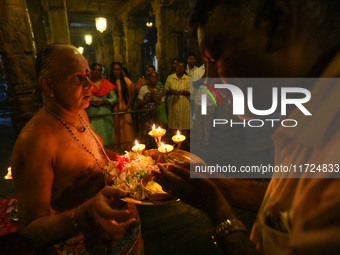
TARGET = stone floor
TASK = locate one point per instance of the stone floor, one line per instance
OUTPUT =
(167, 229)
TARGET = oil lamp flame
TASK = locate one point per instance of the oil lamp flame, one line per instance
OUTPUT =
(9, 174)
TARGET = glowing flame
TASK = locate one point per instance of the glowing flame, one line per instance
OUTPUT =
(149, 24)
(165, 147)
(9, 174)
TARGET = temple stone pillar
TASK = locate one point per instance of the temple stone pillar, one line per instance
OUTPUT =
(173, 50)
(18, 55)
(118, 46)
(140, 69)
(38, 15)
(118, 43)
(58, 22)
(49, 22)
(106, 54)
(130, 51)
(105, 50)
(134, 37)
(140, 36)
(163, 17)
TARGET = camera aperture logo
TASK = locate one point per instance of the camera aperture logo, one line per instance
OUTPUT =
(238, 104)
(204, 97)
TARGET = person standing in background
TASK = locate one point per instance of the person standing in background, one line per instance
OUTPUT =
(173, 65)
(126, 72)
(150, 97)
(177, 89)
(124, 131)
(102, 99)
(143, 80)
(192, 70)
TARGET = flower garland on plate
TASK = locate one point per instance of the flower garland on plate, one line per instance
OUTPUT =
(127, 171)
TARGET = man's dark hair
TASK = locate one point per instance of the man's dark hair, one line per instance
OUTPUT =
(181, 61)
(44, 57)
(174, 60)
(323, 14)
(126, 71)
(149, 74)
(192, 55)
(152, 66)
(125, 93)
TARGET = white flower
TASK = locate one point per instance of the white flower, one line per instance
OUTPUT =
(133, 169)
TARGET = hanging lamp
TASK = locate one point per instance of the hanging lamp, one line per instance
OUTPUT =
(81, 49)
(88, 39)
(101, 23)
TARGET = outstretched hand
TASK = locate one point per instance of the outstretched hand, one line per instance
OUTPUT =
(115, 217)
(199, 192)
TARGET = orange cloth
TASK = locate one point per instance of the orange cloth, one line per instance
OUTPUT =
(104, 88)
(123, 125)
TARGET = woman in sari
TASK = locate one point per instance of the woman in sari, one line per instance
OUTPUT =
(102, 99)
(124, 131)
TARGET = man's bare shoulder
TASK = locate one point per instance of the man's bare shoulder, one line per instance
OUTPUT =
(40, 133)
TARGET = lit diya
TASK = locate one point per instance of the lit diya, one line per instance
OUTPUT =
(165, 148)
(157, 134)
(178, 139)
(139, 148)
(151, 132)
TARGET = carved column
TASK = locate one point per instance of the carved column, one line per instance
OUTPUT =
(17, 51)
(134, 37)
(140, 36)
(58, 21)
(139, 69)
(49, 21)
(118, 42)
(105, 50)
(38, 15)
(173, 49)
(163, 17)
(130, 56)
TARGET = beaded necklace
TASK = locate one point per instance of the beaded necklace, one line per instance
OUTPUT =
(81, 128)
(64, 122)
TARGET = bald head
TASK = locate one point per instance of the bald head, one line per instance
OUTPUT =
(46, 55)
